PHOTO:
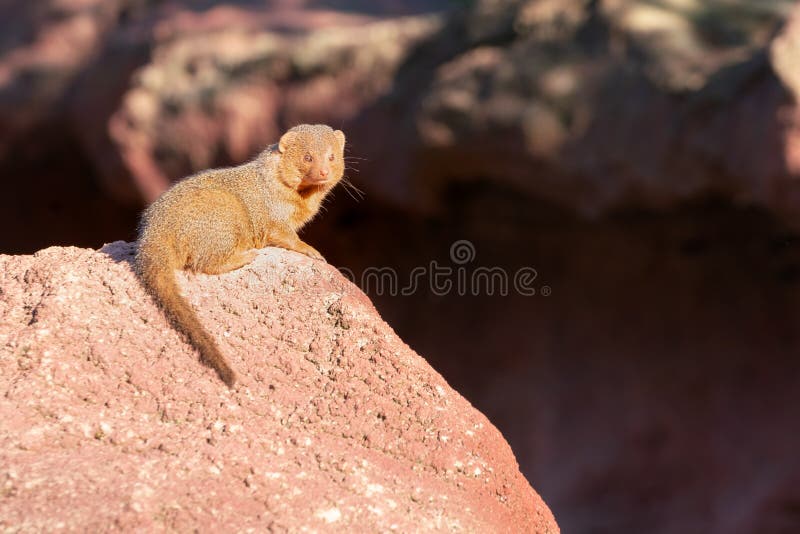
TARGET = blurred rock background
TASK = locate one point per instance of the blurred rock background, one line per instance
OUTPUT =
(642, 156)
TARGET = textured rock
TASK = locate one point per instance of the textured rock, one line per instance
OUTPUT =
(785, 54)
(44, 46)
(785, 57)
(107, 418)
(596, 107)
(593, 106)
(221, 96)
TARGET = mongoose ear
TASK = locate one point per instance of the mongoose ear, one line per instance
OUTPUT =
(339, 136)
(286, 140)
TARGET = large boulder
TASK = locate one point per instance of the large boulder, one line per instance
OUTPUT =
(107, 417)
(598, 106)
(592, 106)
(219, 96)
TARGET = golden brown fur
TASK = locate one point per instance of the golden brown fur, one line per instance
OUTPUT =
(212, 221)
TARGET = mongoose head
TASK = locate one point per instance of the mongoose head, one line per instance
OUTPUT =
(312, 156)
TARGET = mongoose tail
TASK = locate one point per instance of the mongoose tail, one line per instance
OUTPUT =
(158, 275)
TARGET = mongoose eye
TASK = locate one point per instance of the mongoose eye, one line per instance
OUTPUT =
(307, 158)
(331, 157)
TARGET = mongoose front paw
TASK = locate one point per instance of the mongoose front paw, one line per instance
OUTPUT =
(314, 254)
(304, 248)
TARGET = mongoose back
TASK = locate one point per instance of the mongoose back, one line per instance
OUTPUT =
(211, 222)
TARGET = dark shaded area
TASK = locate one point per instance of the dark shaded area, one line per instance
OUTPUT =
(69, 208)
(654, 376)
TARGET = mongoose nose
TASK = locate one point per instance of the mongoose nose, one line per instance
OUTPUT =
(323, 172)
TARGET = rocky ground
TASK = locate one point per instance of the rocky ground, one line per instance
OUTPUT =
(107, 418)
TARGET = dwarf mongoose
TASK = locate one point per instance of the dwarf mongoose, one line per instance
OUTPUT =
(212, 221)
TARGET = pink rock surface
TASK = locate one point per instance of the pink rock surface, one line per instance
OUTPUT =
(107, 418)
